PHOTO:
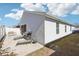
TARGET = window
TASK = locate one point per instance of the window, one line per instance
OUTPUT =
(23, 29)
(57, 28)
(65, 28)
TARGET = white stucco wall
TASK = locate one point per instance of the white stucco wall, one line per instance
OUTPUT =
(40, 34)
(73, 28)
(32, 21)
(43, 28)
(68, 28)
(61, 28)
(50, 31)
(35, 23)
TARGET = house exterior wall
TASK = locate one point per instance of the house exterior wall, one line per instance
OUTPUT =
(40, 37)
(73, 28)
(35, 23)
(50, 31)
(43, 28)
(61, 28)
(68, 28)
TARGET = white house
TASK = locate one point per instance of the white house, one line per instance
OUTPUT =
(45, 28)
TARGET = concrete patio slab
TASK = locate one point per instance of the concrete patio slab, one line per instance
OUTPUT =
(20, 50)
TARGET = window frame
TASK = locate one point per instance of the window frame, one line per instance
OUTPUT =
(57, 27)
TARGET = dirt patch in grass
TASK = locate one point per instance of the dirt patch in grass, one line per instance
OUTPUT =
(67, 46)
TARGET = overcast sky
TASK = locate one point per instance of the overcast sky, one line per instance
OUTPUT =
(10, 13)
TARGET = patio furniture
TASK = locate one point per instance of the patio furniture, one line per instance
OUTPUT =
(25, 38)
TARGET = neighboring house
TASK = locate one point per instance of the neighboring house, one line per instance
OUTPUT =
(45, 28)
(2, 31)
(76, 29)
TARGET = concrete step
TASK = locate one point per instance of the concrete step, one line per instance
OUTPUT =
(23, 41)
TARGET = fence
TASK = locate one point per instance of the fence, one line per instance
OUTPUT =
(2, 31)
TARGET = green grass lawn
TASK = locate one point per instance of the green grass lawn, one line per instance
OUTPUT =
(67, 46)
